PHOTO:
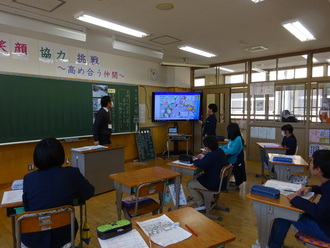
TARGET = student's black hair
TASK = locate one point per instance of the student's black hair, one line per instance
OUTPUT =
(233, 131)
(321, 159)
(48, 152)
(213, 107)
(287, 127)
(211, 142)
(105, 100)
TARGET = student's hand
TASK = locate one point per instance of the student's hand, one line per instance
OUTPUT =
(303, 191)
(200, 122)
(96, 143)
(291, 196)
(200, 156)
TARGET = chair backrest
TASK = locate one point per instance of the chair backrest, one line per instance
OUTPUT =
(310, 241)
(43, 220)
(225, 172)
(150, 188)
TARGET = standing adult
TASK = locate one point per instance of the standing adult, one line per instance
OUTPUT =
(102, 127)
(52, 186)
(210, 123)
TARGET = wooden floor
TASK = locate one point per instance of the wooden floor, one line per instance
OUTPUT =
(240, 220)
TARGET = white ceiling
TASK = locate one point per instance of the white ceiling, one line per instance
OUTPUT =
(223, 27)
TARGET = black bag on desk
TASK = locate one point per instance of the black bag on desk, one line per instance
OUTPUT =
(265, 191)
(187, 159)
(114, 229)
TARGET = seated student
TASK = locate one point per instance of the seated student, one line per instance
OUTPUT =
(288, 117)
(289, 140)
(235, 151)
(52, 186)
(316, 219)
(212, 163)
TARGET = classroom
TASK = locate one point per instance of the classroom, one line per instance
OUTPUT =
(258, 74)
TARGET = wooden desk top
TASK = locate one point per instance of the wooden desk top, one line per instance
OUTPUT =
(297, 160)
(275, 146)
(282, 202)
(7, 187)
(190, 167)
(109, 147)
(134, 178)
(210, 234)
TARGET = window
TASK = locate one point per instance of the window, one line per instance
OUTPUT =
(320, 102)
(238, 105)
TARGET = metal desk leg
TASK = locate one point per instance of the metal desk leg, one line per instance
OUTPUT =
(187, 146)
(119, 195)
(13, 230)
(177, 191)
(81, 225)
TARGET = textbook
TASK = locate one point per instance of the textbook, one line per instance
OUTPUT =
(12, 196)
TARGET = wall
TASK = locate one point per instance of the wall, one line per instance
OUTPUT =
(14, 158)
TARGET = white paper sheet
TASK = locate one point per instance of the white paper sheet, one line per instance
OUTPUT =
(287, 188)
(178, 162)
(12, 196)
(182, 197)
(131, 239)
(163, 231)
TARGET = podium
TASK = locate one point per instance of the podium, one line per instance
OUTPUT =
(96, 165)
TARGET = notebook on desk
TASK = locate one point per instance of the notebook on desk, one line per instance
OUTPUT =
(173, 131)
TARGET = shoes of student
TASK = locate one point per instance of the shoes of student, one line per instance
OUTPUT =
(200, 208)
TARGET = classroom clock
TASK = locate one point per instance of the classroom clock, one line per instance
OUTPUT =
(153, 73)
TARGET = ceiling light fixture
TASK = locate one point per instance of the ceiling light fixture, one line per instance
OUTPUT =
(26, 20)
(110, 25)
(197, 51)
(183, 65)
(257, 1)
(133, 46)
(298, 30)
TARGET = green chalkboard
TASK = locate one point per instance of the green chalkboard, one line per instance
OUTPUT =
(145, 144)
(32, 107)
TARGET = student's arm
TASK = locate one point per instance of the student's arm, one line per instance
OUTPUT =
(85, 189)
(233, 147)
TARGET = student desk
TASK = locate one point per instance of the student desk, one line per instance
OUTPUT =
(266, 148)
(11, 212)
(97, 164)
(210, 234)
(267, 209)
(126, 182)
(175, 138)
(283, 170)
(184, 170)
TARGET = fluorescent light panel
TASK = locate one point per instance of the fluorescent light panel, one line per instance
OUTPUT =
(110, 25)
(183, 65)
(197, 51)
(257, 1)
(298, 30)
(131, 46)
(30, 21)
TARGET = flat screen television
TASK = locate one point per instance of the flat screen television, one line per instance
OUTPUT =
(176, 106)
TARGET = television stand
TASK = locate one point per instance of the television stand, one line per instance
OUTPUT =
(176, 138)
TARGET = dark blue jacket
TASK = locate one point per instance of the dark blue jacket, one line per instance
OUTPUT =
(212, 164)
(291, 143)
(319, 211)
(51, 188)
(210, 125)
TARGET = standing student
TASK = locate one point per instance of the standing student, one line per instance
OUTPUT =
(102, 127)
(212, 163)
(210, 123)
(289, 140)
(316, 219)
(52, 186)
(235, 151)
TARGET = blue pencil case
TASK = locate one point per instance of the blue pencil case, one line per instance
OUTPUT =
(282, 159)
(265, 191)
